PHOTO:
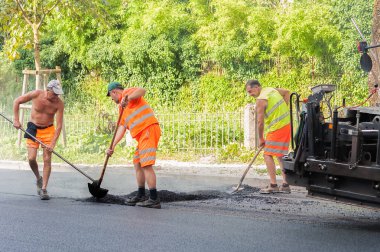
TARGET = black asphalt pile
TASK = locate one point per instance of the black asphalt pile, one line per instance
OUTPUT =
(247, 190)
(169, 196)
(251, 193)
(109, 198)
(165, 196)
(249, 201)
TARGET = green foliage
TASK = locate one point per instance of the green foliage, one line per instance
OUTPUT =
(192, 55)
(236, 37)
(306, 32)
(235, 153)
(172, 47)
(9, 150)
(218, 93)
(9, 86)
(15, 32)
(95, 142)
(230, 152)
(158, 50)
(353, 82)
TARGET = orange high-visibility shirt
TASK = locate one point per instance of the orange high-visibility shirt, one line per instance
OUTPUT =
(137, 115)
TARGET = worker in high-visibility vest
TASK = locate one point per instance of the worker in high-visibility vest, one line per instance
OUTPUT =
(273, 121)
(139, 119)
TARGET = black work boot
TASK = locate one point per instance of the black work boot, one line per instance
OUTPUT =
(150, 203)
(132, 201)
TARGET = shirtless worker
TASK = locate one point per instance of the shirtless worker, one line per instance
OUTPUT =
(45, 105)
(272, 118)
(139, 119)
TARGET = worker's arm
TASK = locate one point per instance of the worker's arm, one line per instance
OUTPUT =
(58, 128)
(20, 100)
(119, 135)
(260, 112)
(137, 93)
(285, 94)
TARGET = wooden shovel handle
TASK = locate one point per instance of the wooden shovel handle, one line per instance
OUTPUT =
(113, 139)
(249, 166)
(53, 151)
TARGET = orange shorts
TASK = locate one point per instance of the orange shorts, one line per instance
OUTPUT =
(44, 135)
(277, 142)
(147, 140)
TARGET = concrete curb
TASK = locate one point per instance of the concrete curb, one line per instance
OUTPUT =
(161, 167)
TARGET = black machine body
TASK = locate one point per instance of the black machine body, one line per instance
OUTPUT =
(338, 158)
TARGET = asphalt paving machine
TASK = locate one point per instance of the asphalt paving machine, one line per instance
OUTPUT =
(336, 151)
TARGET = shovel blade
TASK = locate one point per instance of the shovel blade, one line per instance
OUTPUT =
(96, 190)
(235, 189)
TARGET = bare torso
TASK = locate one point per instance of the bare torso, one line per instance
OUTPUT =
(44, 108)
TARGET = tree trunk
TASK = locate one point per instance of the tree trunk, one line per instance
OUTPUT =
(37, 59)
(373, 77)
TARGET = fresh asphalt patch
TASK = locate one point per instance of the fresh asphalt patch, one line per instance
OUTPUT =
(169, 196)
(243, 197)
(249, 202)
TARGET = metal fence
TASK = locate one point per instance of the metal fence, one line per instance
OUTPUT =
(181, 131)
(201, 132)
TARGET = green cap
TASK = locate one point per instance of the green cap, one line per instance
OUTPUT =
(113, 85)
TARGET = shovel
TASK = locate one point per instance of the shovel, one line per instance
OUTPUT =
(238, 187)
(97, 192)
(94, 187)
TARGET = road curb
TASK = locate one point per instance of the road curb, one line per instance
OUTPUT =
(161, 167)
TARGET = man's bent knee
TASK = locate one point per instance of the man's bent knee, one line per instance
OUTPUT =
(32, 161)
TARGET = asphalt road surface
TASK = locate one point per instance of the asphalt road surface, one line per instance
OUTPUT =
(197, 215)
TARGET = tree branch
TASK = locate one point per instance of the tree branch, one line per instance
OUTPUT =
(23, 13)
(44, 14)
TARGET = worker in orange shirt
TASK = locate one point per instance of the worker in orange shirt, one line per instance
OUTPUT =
(139, 119)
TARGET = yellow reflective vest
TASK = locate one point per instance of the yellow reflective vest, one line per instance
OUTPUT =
(277, 112)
